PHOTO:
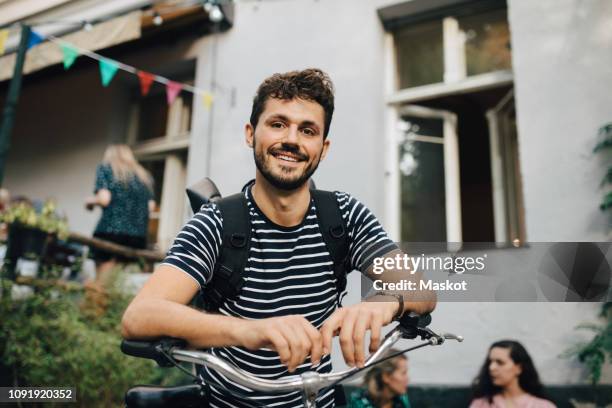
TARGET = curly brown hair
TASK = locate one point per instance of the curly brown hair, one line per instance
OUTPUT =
(310, 84)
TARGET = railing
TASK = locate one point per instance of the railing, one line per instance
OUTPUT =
(147, 255)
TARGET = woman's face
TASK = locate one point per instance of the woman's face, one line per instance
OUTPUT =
(397, 381)
(502, 369)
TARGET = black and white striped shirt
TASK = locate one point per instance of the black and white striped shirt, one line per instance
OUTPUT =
(288, 272)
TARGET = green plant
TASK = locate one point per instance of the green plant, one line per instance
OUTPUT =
(605, 142)
(46, 220)
(598, 351)
(58, 338)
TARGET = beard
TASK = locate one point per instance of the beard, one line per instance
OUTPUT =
(287, 180)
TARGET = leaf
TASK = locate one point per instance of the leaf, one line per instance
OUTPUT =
(605, 134)
(590, 326)
(607, 202)
(607, 178)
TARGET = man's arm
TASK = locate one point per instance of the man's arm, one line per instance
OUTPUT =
(160, 309)
(368, 241)
(351, 323)
(418, 300)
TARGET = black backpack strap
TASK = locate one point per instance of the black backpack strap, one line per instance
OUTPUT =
(227, 279)
(335, 235)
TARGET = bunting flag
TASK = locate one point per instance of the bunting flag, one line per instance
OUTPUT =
(172, 91)
(108, 69)
(70, 55)
(34, 39)
(207, 99)
(4, 34)
(146, 79)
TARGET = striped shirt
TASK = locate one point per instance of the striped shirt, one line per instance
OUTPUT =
(289, 271)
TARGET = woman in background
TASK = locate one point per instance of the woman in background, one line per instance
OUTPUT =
(384, 385)
(124, 191)
(508, 379)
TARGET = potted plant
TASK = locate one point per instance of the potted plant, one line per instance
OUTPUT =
(30, 230)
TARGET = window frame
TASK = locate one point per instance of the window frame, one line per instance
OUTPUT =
(455, 81)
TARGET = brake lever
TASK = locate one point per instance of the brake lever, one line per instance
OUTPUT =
(425, 333)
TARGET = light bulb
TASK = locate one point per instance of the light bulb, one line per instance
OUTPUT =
(215, 15)
(157, 19)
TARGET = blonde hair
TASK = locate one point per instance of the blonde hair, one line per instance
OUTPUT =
(373, 379)
(124, 165)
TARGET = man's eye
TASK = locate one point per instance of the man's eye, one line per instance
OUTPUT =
(308, 131)
(278, 125)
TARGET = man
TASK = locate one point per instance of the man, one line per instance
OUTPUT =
(288, 308)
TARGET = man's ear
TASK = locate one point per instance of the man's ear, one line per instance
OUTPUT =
(249, 134)
(326, 144)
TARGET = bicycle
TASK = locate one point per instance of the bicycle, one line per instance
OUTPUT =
(169, 352)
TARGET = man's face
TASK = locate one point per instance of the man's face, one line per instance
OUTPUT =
(288, 141)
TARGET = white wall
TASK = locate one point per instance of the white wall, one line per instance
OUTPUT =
(345, 38)
(61, 130)
(342, 37)
(562, 54)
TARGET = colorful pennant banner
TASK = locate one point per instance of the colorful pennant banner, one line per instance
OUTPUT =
(70, 55)
(146, 79)
(3, 37)
(108, 68)
(34, 39)
(172, 91)
(207, 99)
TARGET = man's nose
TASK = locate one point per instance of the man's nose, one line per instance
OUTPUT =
(292, 134)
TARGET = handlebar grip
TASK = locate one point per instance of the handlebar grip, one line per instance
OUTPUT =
(153, 350)
(414, 320)
(412, 324)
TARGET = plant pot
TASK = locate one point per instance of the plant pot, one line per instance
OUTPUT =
(23, 242)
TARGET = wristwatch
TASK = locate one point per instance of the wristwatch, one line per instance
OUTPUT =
(400, 299)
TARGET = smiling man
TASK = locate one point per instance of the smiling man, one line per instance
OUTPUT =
(287, 307)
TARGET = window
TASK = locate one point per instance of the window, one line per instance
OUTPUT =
(452, 48)
(452, 131)
(487, 42)
(420, 54)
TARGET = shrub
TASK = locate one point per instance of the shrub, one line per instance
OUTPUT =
(60, 338)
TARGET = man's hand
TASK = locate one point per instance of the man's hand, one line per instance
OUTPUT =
(293, 338)
(352, 323)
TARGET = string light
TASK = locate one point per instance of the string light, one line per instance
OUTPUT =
(215, 14)
(157, 19)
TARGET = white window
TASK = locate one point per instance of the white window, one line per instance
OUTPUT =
(453, 170)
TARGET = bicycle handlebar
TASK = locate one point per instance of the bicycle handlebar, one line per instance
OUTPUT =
(164, 350)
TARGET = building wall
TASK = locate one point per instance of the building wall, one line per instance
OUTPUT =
(61, 130)
(64, 122)
(562, 51)
(280, 36)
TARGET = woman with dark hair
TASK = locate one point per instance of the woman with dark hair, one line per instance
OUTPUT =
(508, 379)
(384, 386)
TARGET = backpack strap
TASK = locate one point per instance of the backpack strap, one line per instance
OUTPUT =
(335, 235)
(227, 281)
